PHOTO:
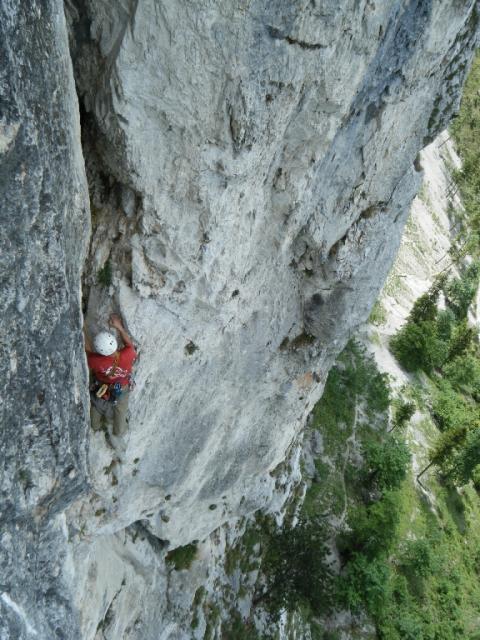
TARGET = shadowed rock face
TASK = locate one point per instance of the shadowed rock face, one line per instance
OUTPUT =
(251, 166)
(44, 231)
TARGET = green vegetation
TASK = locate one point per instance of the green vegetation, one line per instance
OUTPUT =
(414, 573)
(394, 285)
(182, 557)
(466, 132)
(296, 574)
(427, 583)
(443, 346)
(197, 601)
(386, 463)
(414, 570)
(352, 415)
(430, 339)
(419, 345)
(104, 276)
(403, 410)
(378, 314)
(238, 629)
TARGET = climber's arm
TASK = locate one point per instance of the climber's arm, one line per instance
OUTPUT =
(88, 342)
(116, 322)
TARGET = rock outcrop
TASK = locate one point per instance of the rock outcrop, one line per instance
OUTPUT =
(44, 230)
(251, 166)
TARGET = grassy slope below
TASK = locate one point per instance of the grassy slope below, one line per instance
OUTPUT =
(409, 558)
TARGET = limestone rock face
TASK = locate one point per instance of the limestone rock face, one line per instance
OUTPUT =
(44, 231)
(251, 165)
(251, 168)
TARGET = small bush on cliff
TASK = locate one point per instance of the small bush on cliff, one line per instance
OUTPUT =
(182, 557)
(104, 276)
(378, 314)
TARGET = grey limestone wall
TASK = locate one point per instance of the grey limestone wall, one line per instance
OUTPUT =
(44, 233)
(250, 167)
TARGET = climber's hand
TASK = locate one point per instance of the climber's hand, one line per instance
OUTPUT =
(115, 321)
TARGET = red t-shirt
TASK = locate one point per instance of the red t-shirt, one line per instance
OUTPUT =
(106, 370)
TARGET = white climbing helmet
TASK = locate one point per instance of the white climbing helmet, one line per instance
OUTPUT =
(105, 344)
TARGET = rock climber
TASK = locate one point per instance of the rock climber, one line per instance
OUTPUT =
(112, 372)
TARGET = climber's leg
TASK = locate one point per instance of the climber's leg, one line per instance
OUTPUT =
(95, 418)
(120, 419)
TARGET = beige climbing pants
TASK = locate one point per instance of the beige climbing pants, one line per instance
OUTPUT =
(115, 413)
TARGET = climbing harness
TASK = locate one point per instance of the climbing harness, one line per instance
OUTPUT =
(108, 392)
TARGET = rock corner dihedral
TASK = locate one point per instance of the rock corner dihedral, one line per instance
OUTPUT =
(250, 168)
